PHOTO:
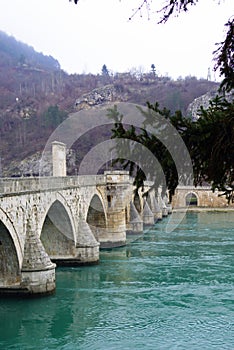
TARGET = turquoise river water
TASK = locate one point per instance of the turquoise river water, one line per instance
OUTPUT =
(163, 291)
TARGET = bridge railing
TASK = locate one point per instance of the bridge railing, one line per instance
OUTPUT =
(193, 187)
(17, 185)
(37, 184)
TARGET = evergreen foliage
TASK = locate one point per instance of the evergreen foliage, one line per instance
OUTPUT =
(105, 71)
(53, 117)
(209, 140)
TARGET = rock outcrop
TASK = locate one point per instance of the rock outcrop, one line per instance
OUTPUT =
(103, 95)
(38, 164)
(204, 101)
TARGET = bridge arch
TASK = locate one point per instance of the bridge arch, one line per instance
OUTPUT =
(4, 218)
(96, 216)
(58, 230)
(10, 253)
(191, 199)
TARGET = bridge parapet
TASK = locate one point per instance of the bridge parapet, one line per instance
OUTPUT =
(36, 184)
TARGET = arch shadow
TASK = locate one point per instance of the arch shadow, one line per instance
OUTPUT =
(10, 273)
(96, 217)
(57, 233)
(4, 218)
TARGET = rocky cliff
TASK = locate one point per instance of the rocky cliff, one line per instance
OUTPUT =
(103, 95)
(204, 101)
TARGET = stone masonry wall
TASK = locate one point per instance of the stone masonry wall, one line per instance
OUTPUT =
(205, 197)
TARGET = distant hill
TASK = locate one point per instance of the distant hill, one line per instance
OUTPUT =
(16, 53)
(36, 96)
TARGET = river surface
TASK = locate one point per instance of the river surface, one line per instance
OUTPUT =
(163, 291)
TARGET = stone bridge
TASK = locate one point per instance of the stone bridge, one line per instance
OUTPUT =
(64, 220)
(48, 221)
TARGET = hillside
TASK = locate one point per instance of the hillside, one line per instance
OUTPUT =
(36, 96)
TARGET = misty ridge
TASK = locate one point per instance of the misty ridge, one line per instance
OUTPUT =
(36, 95)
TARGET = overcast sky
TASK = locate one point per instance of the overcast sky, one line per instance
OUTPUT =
(83, 37)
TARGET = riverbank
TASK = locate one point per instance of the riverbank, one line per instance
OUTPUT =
(201, 209)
